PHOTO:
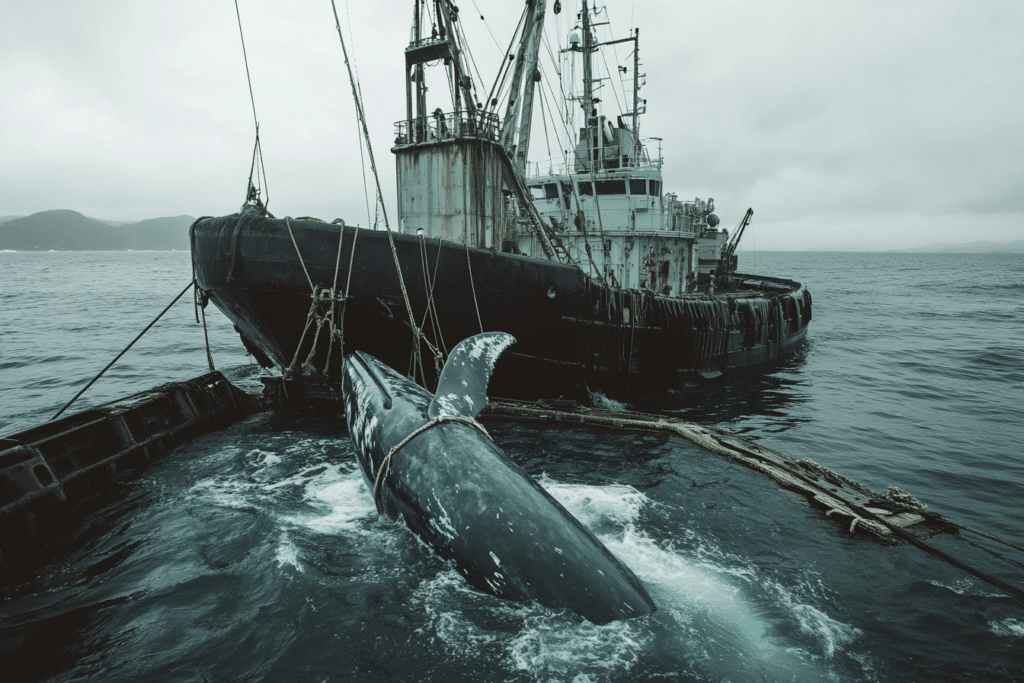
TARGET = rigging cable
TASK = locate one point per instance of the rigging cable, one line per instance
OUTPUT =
(499, 80)
(125, 350)
(370, 219)
(252, 193)
(470, 61)
(487, 26)
(246, 58)
(417, 333)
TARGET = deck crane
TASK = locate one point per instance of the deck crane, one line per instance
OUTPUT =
(728, 262)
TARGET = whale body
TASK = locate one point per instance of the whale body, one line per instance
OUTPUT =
(465, 498)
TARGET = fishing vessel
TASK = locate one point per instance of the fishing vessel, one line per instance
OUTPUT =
(608, 282)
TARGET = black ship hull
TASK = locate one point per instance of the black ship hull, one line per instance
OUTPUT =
(288, 288)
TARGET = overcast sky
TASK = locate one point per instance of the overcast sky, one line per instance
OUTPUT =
(843, 124)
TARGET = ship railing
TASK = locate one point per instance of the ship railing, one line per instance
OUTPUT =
(540, 169)
(447, 125)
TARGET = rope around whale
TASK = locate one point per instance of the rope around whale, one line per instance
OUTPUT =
(385, 464)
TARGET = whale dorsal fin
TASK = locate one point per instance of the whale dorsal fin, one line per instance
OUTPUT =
(462, 387)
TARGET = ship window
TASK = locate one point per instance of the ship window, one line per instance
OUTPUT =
(611, 187)
(655, 188)
(550, 190)
(537, 191)
(638, 186)
(586, 188)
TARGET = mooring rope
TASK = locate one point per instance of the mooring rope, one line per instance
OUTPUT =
(206, 337)
(288, 224)
(124, 350)
(385, 464)
(472, 288)
(340, 330)
(332, 327)
(318, 296)
(430, 313)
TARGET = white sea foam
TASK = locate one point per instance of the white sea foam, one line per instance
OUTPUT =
(551, 647)
(600, 508)
(704, 589)
(599, 400)
(1009, 628)
(830, 633)
(287, 553)
(227, 493)
(968, 587)
(547, 644)
(263, 458)
(340, 502)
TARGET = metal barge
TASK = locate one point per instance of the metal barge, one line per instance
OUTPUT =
(46, 470)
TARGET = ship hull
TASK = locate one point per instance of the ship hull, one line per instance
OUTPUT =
(574, 334)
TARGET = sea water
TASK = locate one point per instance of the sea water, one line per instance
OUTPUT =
(256, 553)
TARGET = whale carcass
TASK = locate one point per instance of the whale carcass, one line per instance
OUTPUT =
(431, 464)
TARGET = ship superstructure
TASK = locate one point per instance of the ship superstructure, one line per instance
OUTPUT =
(463, 173)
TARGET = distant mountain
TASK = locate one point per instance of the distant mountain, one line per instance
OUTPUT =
(65, 230)
(116, 224)
(985, 247)
(159, 233)
(4, 219)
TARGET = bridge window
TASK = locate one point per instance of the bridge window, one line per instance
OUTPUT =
(655, 188)
(586, 188)
(611, 187)
(638, 186)
(537, 191)
(550, 190)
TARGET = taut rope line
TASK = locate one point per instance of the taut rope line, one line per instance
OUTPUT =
(385, 464)
(257, 151)
(125, 350)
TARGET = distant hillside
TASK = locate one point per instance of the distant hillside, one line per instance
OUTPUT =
(4, 219)
(64, 230)
(159, 233)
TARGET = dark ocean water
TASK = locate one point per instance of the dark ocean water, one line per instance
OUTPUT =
(257, 554)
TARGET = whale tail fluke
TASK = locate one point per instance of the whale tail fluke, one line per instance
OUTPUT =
(462, 386)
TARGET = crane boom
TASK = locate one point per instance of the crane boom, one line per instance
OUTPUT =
(729, 250)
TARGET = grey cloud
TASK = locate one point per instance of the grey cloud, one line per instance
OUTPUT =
(826, 114)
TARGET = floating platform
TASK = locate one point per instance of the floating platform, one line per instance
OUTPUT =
(46, 469)
(892, 517)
